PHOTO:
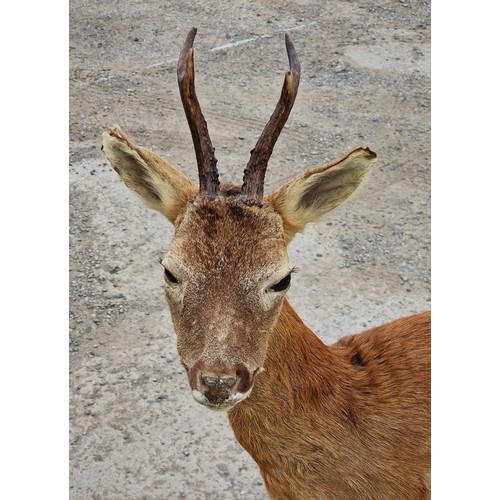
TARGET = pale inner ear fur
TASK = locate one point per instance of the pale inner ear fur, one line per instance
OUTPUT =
(159, 184)
(318, 190)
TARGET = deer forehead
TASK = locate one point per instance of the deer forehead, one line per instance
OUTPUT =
(228, 238)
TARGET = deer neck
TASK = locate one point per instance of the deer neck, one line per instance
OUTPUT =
(294, 357)
(301, 374)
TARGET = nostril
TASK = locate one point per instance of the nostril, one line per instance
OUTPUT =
(218, 383)
(229, 382)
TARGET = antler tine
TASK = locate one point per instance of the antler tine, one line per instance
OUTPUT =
(207, 163)
(253, 179)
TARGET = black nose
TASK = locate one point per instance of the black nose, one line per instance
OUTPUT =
(215, 384)
(217, 389)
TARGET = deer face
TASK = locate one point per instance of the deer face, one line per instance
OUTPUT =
(226, 274)
(227, 269)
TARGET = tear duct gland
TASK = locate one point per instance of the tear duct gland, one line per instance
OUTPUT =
(347, 421)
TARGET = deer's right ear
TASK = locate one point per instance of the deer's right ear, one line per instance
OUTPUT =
(160, 185)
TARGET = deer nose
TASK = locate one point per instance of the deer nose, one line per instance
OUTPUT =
(217, 389)
(218, 383)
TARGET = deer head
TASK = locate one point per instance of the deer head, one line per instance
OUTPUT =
(227, 269)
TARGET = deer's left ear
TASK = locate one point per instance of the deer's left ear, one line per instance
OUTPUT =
(160, 185)
(312, 194)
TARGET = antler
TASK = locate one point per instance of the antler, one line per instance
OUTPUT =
(253, 179)
(207, 163)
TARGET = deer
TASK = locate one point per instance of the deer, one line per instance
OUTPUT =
(349, 420)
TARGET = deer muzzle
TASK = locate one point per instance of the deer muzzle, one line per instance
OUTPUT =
(221, 390)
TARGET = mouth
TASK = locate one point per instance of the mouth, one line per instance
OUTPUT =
(220, 404)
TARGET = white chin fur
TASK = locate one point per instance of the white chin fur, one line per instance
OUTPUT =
(232, 400)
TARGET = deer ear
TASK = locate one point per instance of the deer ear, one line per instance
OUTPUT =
(160, 185)
(312, 194)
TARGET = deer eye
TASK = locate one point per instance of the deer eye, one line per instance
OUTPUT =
(283, 284)
(170, 277)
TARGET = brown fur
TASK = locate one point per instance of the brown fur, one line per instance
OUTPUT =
(348, 421)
